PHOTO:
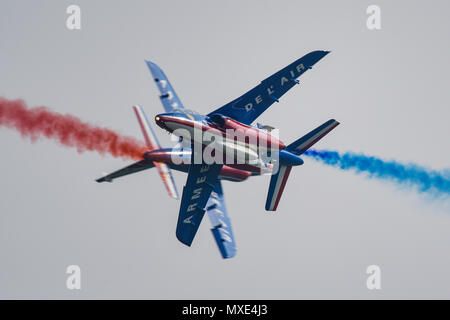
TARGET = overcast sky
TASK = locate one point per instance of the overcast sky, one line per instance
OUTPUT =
(388, 88)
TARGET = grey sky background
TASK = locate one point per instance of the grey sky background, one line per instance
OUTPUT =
(388, 88)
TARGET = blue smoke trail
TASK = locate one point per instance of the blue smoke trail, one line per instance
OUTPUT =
(411, 175)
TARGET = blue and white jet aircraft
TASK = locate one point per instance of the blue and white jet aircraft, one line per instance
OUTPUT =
(203, 190)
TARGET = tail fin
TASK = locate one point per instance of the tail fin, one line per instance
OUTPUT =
(149, 135)
(276, 187)
(152, 144)
(289, 157)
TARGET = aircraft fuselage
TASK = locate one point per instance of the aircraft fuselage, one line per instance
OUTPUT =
(235, 144)
(180, 160)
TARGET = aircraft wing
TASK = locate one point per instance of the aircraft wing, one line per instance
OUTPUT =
(135, 167)
(252, 104)
(220, 221)
(196, 192)
(169, 97)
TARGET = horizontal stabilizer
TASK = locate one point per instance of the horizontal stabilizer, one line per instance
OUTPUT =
(135, 167)
(290, 157)
(308, 140)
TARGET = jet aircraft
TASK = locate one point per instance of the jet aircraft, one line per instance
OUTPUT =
(203, 189)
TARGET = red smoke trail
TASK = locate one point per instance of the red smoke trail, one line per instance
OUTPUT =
(70, 131)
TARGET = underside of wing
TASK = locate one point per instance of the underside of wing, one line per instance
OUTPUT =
(252, 104)
(221, 223)
(135, 167)
(196, 193)
(169, 97)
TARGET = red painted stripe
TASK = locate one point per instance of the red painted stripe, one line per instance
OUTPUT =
(233, 173)
(283, 184)
(163, 178)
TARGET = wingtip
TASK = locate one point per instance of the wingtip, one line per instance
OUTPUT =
(230, 255)
(333, 121)
(151, 64)
(182, 240)
(336, 123)
(104, 179)
(324, 52)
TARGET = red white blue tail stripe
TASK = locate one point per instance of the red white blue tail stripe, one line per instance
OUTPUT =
(276, 187)
(152, 143)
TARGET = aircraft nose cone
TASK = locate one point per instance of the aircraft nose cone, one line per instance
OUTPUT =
(162, 120)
